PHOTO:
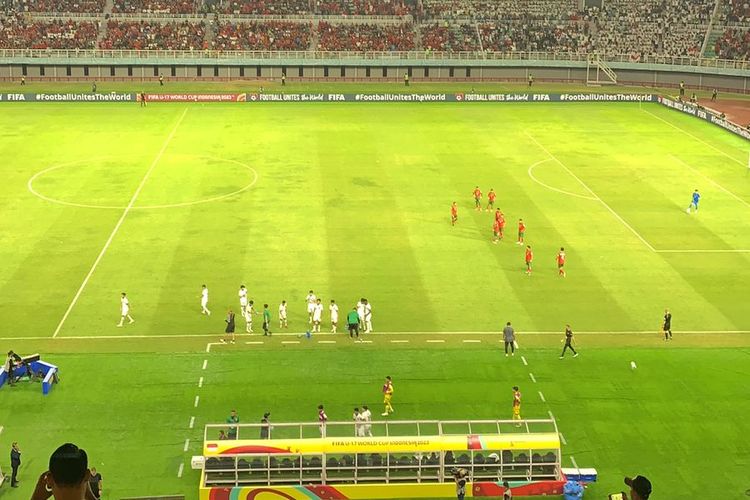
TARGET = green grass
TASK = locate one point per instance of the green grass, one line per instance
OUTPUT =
(352, 200)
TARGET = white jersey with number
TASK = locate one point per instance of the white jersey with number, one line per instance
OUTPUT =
(204, 297)
(243, 296)
(317, 312)
(311, 299)
(334, 313)
(124, 305)
(282, 311)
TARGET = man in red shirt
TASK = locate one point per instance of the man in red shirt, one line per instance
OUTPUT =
(491, 200)
(521, 231)
(454, 213)
(501, 223)
(529, 258)
(496, 231)
(561, 262)
(477, 198)
(322, 420)
(498, 214)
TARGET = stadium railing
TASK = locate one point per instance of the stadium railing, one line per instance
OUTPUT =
(416, 55)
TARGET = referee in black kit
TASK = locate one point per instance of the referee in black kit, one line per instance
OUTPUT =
(667, 326)
(568, 342)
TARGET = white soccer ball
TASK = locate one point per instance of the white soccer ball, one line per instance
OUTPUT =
(687, 210)
(632, 365)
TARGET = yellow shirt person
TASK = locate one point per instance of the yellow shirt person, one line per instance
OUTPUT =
(516, 405)
(387, 395)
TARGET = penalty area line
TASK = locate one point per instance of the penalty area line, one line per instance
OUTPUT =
(119, 223)
(180, 470)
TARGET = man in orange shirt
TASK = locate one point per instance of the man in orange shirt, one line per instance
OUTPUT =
(561, 262)
(454, 213)
(529, 257)
(477, 199)
(491, 200)
(521, 232)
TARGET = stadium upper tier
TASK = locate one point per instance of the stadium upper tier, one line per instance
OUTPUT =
(636, 28)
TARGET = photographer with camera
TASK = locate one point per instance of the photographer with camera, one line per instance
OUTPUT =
(460, 477)
(640, 489)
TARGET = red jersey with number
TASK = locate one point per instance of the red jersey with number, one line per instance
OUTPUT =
(501, 221)
(521, 227)
(561, 258)
(491, 195)
(454, 210)
(477, 193)
(529, 255)
(498, 215)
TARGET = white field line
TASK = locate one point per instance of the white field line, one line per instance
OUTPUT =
(180, 470)
(205, 364)
(187, 445)
(531, 376)
(541, 396)
(365, 341)
(695, 137)
(525, 363)
(515, 345)
(695, 170)
(1, 429)
(119, 223)
(197, 400)
(290, 341)
(200, 382)
(725, 250)
(561, 191)
(617, 216)
(549, 412)
(435, 341)
(326, 341)
(208, 346)
(192, 423)
(573, 461)
(386, 334)
(471, 341)
(399, 341)
(562, 438)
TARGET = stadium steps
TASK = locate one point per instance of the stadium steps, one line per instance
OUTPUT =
(418, 36)
(711, 43)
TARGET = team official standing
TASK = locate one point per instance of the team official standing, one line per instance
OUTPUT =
(15, 463)
(229, 330)
(352, 321)
(322, 419)
(517, 405)
(387, 396)
(568, 342)
(509, 338)
(95, 482)
(667, 326)
(266, 320)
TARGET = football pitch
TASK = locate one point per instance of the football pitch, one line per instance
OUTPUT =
(353, 201)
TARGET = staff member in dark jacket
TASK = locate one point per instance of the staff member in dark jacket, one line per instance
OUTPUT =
(229, 330)
(15, 463)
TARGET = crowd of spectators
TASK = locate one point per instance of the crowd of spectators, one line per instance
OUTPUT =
(448, 37)
(61, 6)
(267, 35)
(365, 7)
(17, 32)
(535, 36)
(651, 27)
(481, 10)
(734, 44)
(155, 6)
(142, 35)
(264, 7)
(737, 11)
(361, 37)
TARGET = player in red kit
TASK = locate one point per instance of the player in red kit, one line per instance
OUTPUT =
(529, 257)
(496, 231)
(561, 262)
(454, 213)
(521, 232)
(501, 225)
(490, 200)
(477, 199)
(498, 214)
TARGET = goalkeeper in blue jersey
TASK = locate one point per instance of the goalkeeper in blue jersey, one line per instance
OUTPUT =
(694, 202)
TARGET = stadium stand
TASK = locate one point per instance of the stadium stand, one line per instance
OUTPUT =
(737, 11)
(501, 9)
(265, 7)
(267, 35)
(143, 35)
(365, 7)
(734, 44)
(61, 6)
(155, 6)
(535, 36)
(450, 37)
(384, 37)
(17, 32)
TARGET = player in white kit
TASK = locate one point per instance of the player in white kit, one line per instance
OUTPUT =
(204, 301)
(125, 310)
(334, 316)
(317, 315)
(311, 299)
(368, 317)
(282, 315)
(366, 415)
(249, 311)
(243, 299)
(361, 313)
